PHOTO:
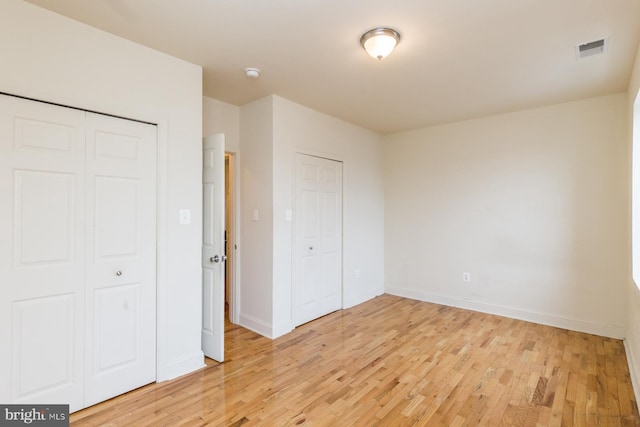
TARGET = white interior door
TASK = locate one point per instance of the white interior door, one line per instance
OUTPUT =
(42, 217)
(120, 256)
(213, 258)
(77, 254)
(317, 287)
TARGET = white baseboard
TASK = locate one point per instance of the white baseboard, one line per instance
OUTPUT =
(606, 330)
(181, 367)
(256, 325)
(282, 329)
(359, 299)
(634, 372)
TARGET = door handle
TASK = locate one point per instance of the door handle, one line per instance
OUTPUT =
(217, 258)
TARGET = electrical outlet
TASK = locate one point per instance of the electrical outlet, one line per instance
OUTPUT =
(466, 277)
(357, 273)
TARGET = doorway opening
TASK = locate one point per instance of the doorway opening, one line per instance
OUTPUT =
(230, 234)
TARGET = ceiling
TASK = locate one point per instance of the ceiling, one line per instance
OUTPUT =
(457, 59)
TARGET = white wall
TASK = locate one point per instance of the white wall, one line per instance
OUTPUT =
(632, 341)
(298, 129)
(256, 193)
(220, 117)
(272, 130)
(50, 57)
(534, 204)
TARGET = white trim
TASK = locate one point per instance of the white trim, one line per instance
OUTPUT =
(162, 255)
(282, 329)
(363, 297)
(606, 330)
(632, 326)
(234, 268)
(635, 190)
(162, 142)
(183, 366)
(256, 325)
(335, 158)
(265, 329)
(634, 371)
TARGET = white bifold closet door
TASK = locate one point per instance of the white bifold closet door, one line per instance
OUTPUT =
(317, 284)
(77, 254)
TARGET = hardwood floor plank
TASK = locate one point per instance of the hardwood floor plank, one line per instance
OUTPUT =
(394, 362)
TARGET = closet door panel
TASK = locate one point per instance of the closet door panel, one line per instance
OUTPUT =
(77, 254)
(43, 323)
(117, 231)
(42, 186)
(121, 253)
(317, 260)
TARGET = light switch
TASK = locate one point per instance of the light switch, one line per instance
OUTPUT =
(289, 215)
(185, 216)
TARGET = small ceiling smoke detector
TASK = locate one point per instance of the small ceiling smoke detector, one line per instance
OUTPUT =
(252, 73)
(592, 48)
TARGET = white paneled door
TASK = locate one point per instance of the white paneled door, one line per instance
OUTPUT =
(317, 285)
(120, 268)
(213, 248)
(77, 254)
(42, 187)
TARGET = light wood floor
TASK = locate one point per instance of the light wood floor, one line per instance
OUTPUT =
(394, 362)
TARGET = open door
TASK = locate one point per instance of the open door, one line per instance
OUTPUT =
(213, 256)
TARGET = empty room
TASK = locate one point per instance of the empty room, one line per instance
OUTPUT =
(320, 213)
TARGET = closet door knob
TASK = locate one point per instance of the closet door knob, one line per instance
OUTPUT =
(118, 273)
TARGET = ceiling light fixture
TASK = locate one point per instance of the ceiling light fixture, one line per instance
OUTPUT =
(380, 42)
(252, 73)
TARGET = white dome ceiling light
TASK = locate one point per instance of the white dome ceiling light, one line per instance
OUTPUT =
(380, 42)
(252, 73)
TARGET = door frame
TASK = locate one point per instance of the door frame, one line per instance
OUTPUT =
(166, 367)
(336, 158)
(234, 224)
(161, 143)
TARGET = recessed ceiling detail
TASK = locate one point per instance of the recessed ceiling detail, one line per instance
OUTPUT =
(592, 48)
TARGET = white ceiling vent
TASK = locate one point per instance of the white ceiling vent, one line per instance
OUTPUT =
(592, 48)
